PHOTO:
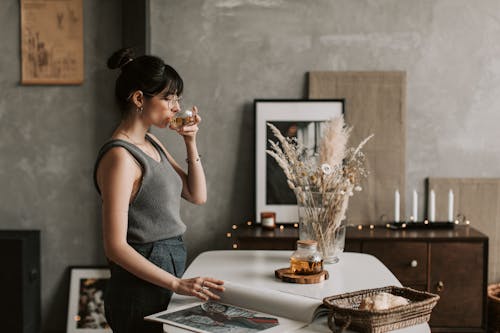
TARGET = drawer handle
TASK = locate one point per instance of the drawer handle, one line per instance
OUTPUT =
(414, 263)
(440, 286)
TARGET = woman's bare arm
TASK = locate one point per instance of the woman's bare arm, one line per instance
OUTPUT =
(115, 176)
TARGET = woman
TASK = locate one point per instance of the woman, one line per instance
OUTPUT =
(141, 186)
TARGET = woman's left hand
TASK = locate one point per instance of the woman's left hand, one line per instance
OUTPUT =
(189, 132)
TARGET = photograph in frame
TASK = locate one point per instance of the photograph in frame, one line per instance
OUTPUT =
(301, 119)
(86, 300)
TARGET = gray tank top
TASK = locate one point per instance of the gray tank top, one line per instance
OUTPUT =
(154, 213)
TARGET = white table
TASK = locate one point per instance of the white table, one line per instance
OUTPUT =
(354, 271)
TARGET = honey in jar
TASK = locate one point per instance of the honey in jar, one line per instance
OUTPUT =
(306, 260)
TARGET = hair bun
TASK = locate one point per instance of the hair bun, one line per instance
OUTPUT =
(121, 57)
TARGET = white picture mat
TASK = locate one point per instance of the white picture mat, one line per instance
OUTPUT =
(74, 293)
(278, 110)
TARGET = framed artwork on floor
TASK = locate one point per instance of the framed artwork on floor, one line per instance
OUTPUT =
(86, 300)
(303, 119)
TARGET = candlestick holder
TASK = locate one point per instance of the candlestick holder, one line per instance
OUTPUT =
(421, 225)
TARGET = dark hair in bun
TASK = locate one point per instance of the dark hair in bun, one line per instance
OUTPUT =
(146, 73)
(120, 58)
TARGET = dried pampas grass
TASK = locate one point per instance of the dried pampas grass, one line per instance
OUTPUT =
(332, 149)
(322, 189)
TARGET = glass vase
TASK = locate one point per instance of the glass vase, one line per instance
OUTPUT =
(322, 218)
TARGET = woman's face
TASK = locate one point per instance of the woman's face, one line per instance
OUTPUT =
(160, 109)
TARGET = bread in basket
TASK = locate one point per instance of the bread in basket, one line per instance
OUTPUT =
(344, 310)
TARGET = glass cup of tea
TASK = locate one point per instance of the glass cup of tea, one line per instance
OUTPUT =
(183, 118)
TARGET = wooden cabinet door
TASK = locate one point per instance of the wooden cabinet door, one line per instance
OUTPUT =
(457, 277)
(352, 246)
(406, 260)
(266, 244)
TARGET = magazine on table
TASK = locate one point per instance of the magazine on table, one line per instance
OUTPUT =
(243, 309)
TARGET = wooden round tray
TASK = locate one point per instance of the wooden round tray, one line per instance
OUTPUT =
(286, 275)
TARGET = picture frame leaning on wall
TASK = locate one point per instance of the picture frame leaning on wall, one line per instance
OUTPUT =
(86, 300)
(302, 118)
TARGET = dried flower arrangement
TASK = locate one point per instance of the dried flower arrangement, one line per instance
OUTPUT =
(322, 182)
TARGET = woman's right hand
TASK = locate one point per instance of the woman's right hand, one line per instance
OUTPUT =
(200, 287)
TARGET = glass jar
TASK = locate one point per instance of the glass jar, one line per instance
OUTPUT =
(306, 260)
(268, 220)
(182, 118)
(323, 220)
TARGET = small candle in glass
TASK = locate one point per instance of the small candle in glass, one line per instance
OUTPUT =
(268, 220)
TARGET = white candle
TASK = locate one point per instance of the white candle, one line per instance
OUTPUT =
(396, 206)
(415, 206)
(432, 206)
(450, 206)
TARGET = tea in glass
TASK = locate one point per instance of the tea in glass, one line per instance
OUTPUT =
(183, 118)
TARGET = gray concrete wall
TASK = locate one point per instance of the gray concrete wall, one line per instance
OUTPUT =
(49, 136)
(232, 51)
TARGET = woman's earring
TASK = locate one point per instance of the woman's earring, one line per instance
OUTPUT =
(139, 110)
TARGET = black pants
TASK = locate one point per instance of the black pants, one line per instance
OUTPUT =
(128, 299)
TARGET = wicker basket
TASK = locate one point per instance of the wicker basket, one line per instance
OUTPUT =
(494, 308)
(344, 309)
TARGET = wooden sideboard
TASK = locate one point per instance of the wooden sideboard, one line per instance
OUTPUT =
(452, 263)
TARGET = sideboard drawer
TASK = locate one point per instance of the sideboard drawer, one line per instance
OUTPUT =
(406, 260)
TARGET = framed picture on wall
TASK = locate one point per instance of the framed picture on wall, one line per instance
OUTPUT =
(303, 119)
(52, 42)
(86, 300)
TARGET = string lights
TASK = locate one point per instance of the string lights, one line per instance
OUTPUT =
(250, 225)
(403, 225)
